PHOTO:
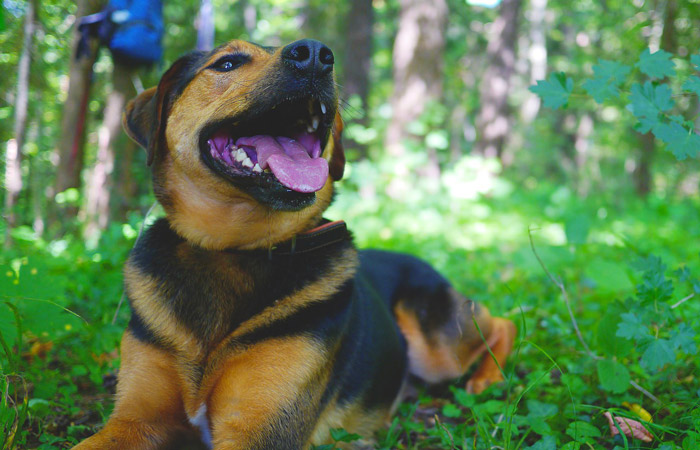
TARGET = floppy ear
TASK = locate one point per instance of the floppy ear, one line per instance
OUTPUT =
(146, 116)
(336, 166)
(139, 120)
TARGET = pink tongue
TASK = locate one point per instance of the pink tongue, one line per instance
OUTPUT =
(290, 161)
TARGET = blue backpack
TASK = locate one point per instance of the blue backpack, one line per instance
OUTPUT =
(131, 29)
(139, 28)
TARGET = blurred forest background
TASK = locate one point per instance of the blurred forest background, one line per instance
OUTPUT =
(572, 207)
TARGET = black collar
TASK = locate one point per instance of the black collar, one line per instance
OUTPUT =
(327, 233)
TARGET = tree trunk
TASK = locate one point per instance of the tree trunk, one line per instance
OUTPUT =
(38, 174)
(129, 170)
(250, 16)
(536, 55)
(13, 155)
(358, 59)
(642, 171)
(205, 26)
(418, 66)
(493, 122)
(71, 144)
(663, 36)
(101, 181)
(582, 145)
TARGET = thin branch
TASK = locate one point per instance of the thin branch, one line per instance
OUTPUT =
(644, 391)
(444, 428)
(495, 428)
(565, 296)
(683, 300)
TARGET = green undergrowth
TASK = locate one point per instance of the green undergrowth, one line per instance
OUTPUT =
(629, 268)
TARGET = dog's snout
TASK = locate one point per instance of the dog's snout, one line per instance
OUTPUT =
(309, 57)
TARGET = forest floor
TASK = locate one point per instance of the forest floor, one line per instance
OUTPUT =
(638, 314)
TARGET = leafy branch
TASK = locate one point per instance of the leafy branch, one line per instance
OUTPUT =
(612, 374)
(651, 103)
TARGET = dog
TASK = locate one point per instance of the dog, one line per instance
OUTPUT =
(256, 324)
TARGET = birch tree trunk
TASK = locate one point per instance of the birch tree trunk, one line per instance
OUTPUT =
(205, 26)
(418, 66)
(663, 36)
(536, 55)
(13, 154)
(101, 182)
(493, 123)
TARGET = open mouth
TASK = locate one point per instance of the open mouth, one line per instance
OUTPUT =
(278, 149)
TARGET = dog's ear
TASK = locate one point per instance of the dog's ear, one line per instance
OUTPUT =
(336, 166)
(146, 116)
(139, 119)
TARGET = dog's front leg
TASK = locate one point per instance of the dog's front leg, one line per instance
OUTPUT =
(148, 413)
(267, 396)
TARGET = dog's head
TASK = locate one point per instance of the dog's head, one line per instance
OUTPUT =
(244, 142)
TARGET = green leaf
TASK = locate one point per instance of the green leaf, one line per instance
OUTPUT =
(573, 445)
(540, 409)
(609, 276)
(450, 410)
(8, 327)
(600, 89)
(608, 341)
(39, 407)
(546, 443)
(651, 263)
(695, 59)
(611, 70)
(657, 64)
(683, 339)
(648, 101)
(608, 75)
(692, 84)
(576, 228)
(613, 376)
(340, 435)
(632, 327)
(539, 426)
(658, 354)
(582, 431)
(681, 142)
(464, 399)
(555, 91)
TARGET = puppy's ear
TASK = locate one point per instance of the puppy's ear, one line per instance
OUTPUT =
(139, 120)
(336, 166)
(146, 116)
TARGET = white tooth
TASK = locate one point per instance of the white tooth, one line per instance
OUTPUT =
(247, 163)
(240, 155)
(310, 129)
(257, 168)
(323, 108)
(314, 123)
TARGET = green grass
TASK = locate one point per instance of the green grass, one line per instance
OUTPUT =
(59, 344)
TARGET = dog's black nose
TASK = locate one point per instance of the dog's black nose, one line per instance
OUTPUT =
(309, 57)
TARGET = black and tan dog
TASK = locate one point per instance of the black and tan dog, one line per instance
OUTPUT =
(255, 323)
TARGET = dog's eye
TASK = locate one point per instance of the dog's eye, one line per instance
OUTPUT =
(230, 62)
